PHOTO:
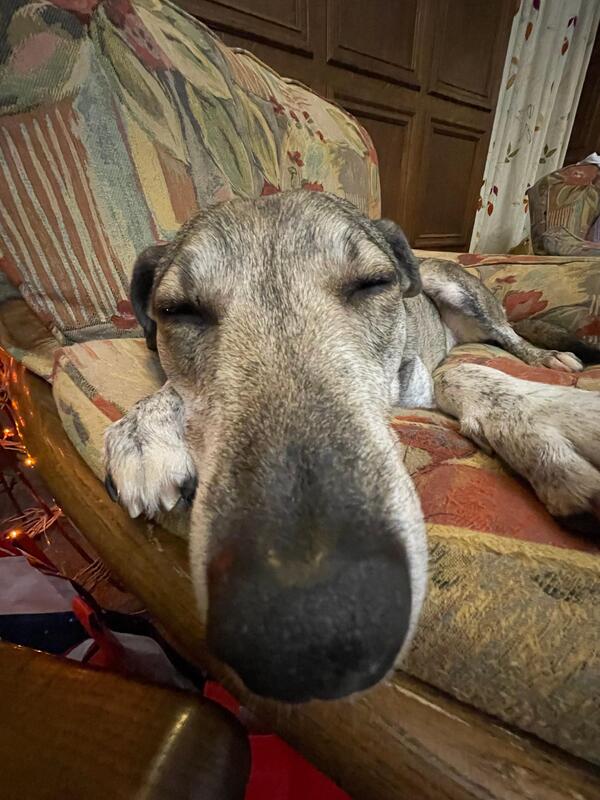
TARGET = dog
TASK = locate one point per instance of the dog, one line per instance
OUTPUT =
(288, 328)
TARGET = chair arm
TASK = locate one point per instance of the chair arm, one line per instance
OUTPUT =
(72, 731)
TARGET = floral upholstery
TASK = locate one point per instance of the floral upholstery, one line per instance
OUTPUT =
(563, 291)
(563, 207)
(558, 290)
(118, 120)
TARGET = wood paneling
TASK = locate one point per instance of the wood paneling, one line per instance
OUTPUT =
(384, 42)
(396, 66)
(585, 136)
(281, 23)
(468, 54)
(450, 168)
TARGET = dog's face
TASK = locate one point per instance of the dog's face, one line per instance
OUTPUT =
(280, 322)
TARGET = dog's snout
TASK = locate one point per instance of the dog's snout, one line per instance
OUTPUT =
(316, 628)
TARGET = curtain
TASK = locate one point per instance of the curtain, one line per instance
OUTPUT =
(548, 54)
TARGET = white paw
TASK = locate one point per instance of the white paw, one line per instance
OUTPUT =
(148, 466)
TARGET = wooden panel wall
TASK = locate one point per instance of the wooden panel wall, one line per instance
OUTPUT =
(421, 75)
(585, 136)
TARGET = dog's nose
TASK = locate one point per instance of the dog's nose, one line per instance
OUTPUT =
(322, 628)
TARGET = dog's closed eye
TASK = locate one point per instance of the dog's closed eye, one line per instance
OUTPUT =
(367, 287)
(187, 314)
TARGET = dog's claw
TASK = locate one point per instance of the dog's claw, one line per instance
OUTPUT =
(596, 506)
(110, 487)
(564, 362)
(188, 489)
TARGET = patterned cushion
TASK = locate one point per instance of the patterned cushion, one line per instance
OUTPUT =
(562, 207)
(499, 359)
(558, 290)
(511, 621)
(117, 121)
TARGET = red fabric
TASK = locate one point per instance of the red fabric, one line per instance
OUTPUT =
(109, 653)
(277, 771)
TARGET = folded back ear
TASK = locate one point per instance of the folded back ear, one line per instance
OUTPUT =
(408, 267)
(140, 289)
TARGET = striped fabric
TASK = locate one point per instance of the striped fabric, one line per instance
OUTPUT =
(51, 225)
(118, 120)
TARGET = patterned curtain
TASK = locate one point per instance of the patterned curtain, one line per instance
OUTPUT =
(548, 53)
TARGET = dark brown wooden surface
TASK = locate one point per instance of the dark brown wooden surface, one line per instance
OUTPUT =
(422, 76)
(79, 734)
(401, 741)
(585, 136)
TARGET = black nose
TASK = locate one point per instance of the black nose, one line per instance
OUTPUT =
(299, 631)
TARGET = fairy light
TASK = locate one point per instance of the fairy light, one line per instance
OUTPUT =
(35, 521)
(32, 523)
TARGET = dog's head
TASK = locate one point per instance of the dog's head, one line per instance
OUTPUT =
(280, 322)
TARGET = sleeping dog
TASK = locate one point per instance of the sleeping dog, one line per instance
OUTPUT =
(288, 328)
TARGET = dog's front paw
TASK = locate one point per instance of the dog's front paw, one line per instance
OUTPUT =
(148, 465)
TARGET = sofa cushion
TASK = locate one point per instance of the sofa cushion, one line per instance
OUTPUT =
(24, 337)
(513, 611)
(118, 121)
(562, 207)
(559, 290)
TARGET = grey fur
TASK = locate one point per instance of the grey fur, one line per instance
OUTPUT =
(289, 329)
(548, 434)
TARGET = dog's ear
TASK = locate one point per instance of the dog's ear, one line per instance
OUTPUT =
(408, 266)
(140, 289)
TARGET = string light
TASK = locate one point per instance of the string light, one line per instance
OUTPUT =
(33, 522)
(8, 443)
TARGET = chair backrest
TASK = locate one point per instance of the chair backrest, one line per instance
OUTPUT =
(118, 119)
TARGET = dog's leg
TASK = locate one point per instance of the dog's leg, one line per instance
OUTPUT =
(148, 466)
(548, 434)
(473, 314)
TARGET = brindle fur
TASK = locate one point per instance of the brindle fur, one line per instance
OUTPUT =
(288, 328)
